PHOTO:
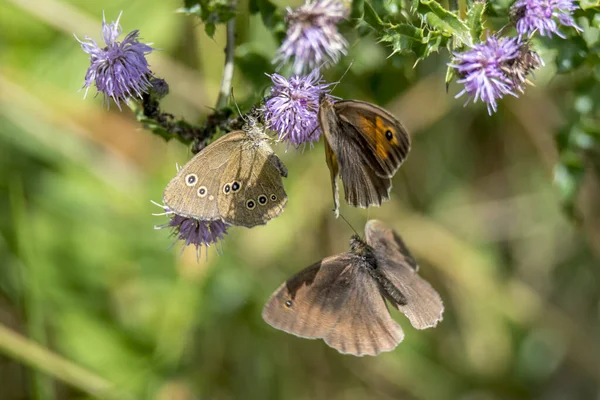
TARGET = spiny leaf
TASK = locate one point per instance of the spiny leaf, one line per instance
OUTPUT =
(358, 9)
(450, 74)
(445, 21)
(587, 4)
(211, 12)
(372, 18)
(475, 20)
(270, 14)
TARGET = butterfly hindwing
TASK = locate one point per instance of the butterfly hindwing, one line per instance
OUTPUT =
(251, 188)
(423, 305)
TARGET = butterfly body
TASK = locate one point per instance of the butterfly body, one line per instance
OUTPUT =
(342, 299)
(237, 179)
(364, 145)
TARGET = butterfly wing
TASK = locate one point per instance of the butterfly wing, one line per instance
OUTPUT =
(423, 305)
(335, 300)
(347, 151)
(379, 131)
(251, 188)
(194, 191)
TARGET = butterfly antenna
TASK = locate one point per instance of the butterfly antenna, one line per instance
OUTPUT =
(343, 75)
(349, 224)
(503, 28)
(236, 105)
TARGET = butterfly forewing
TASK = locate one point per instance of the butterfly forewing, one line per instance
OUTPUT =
(194, 191)
(368, 146)
(335, 300)
(347, 152)
(380, 131)
(308, 304)
(423, 305)
(236, 179)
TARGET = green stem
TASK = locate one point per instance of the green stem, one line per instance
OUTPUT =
(30, 270)
(228, 69)
(30, 353)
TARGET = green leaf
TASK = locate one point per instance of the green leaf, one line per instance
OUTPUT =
(406, 38)
(571, 54)
(253, 6)
(475, 20)
(211, 12)
(271, 15)
(372, 18)
(253, 65)
(358, 9)
(210, 29)
(587, 4)
(445, 21)
(450, 74)
(414, 5)
(568, 174)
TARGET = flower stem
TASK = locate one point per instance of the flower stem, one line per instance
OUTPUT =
(33, 301)
(228, 69)
(38, 357)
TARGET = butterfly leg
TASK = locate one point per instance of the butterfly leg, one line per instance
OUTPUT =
(334, 171)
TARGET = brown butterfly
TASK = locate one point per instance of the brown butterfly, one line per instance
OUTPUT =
(236, 179)
(365, 145)
(341, 299)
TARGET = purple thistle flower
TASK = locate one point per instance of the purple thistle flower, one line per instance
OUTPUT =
(526, 62)
(312, 38)
(481, 70)
(543, 15)
(120, 69)
(291, 111)
(192, 231)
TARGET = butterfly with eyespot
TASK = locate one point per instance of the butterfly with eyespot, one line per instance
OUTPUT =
(237, 179)
(342, 299)
(365, 145)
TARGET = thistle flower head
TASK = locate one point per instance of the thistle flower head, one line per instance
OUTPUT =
(312, 38)
(119, 69)
(481, 70)
(524, 64)
(291, 111)
(193, 231)
(543, 16)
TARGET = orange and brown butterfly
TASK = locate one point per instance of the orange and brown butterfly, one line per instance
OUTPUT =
(364, 145)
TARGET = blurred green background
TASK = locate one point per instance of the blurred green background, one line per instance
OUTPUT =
(95, 303)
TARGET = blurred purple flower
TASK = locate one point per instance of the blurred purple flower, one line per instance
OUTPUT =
(192, 231)
(119, 69)
(312, 39)
(526, 62)
(291, 110)
(542, 15)
(481, 70)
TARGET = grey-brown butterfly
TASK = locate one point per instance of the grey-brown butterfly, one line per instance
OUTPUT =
(342, 299)
(237, 179)
(365, 145)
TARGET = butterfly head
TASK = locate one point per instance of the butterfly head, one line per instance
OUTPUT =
(325, 99)
(360, 248)
(254, 128)
(357, 245)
